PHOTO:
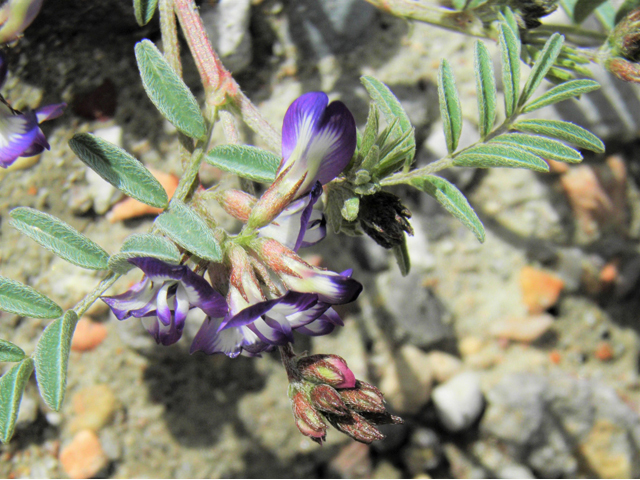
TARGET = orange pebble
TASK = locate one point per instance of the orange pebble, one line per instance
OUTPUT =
(555, 357)
(557, 167)
(540, 289)
(604, 352)
(83, 457)
(33, 190)
(132, 208)
(609, 272)
(88, 335)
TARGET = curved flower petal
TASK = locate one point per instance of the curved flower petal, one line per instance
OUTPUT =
(141, 295)
(17, 133)
(157, 270)
(317, 140)
(49, 112)
(230, 341)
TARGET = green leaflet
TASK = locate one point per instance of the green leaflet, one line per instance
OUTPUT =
(143, 245)
(541, 146)
(542, 65)
(450, 109)
(10, 352)
(168, 92)
(401, 252)
(144, 10)
(52, 359)
(583, 8)
(119, 169)
(561, 92)
(499, 155)
(510, 50)
(182, 225)
(21, 299)
(508, 18)
(606, 15)
(485, 89)
(459, 4)
(565, 131)
(391, 109)
(59, 237)
(452, 200)
(12, 386)
(370, 131)
(475, 4)
(248, 162)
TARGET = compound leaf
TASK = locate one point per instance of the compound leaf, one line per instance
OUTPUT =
(565, 131)
(248, 162)
(10, 352)
(561, 92)
(144, 10)
(59, 237)
(542, 65)
(485, 89)
(52, 359)
(541, 146)
(452, 200)
(168, 92)
(119, 169)
(450, 109)
(12, 386)
(500, 155)
(21, 299)
(185, 227)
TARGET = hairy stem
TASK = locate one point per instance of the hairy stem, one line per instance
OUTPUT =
(169, 31)
(102, 287)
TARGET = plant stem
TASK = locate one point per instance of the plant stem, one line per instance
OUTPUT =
(102, 287)
(219, 85)
(288, 360)
(169, 31)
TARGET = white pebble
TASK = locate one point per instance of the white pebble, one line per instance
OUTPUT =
(458, 401)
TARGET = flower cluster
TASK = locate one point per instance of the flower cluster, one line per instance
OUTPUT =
(20, 133)
(324, 391)
(263, 290)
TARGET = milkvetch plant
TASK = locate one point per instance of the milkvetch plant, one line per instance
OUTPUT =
(252, 287)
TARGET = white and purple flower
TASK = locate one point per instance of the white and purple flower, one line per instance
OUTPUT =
(163, 298)
(318, 141)
(20, 133)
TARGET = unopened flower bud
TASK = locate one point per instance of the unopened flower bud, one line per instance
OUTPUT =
(384, 218)
(529, 12)
(308, 420)
(236, 203)
(16, 16)
(364, 398)
(280, 194)
(329, 369)
(623, 69)
(356, 427)
(326, 399)
(625, 38)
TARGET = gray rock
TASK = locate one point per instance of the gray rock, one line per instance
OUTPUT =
(330, 26)
(28, 412)
(516, 408)
(458, 401)
(424, 451)
(553, 459)
(417, 314)
(227, 25)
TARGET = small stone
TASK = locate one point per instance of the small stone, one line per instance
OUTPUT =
(406, 381)
(606, 450)
(458, 401)
(540, 289)
(469, 346)
(88, 335)
(443, 365)
(28, 412)
(604, 352)
(424, 451)
(227, 25)
(522, 329)
(93, 408)
(83, 457)
(353, 461)
(385, 469)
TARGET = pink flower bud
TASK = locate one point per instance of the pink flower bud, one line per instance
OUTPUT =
(329, 369)
(357, 428)
(326, 399)
(236, 203)
(623, 69)
(308, 420)
(364, 398)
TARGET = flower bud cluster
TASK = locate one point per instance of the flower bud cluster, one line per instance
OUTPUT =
(325, 391)
(624, 48)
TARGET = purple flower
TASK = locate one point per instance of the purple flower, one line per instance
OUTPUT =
(297, 275)
(318, 141)
(164, 297)
(20, 135)
(299, 225)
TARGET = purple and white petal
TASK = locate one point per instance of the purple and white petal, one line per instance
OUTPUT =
(300, 123)
(248, 315)
(157, 270)
(200, 293)
(317, 328)
(17, 133)
(141, 295)
(230, 342)
(50, 112)
(165, 314)
(331, 287)
(316, 230)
